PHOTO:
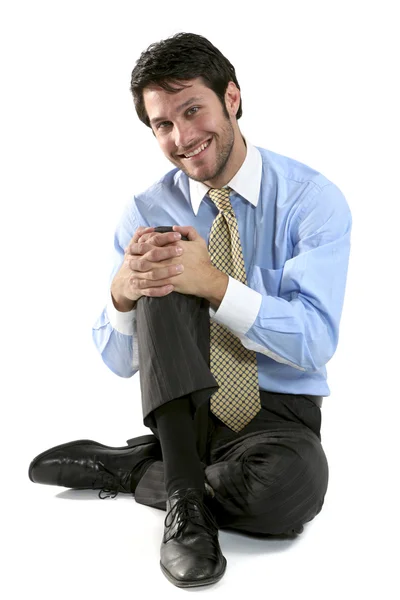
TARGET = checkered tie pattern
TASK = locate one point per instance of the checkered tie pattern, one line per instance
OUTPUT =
(237, 400)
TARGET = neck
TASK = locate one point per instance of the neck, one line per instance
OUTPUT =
(234, 163)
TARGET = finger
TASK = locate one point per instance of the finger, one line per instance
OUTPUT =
(161, 239)
(138, 284)
(138, 233)
(146, 236)
(154, 253)
(150, 270)
(156, 239)
(157, 275)
(159, 291)
(188, 231)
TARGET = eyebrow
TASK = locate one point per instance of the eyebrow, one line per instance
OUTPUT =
(185, 104)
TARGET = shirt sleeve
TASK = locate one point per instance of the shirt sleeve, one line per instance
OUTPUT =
(114, 332)
(299, 327)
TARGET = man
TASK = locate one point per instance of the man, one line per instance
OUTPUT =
(260, 243)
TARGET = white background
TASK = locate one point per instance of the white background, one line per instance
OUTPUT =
(318, 84)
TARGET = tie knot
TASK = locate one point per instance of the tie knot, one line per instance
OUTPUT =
(220, 197)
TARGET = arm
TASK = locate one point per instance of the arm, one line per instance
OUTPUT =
(113, 332)
(301, 326)
(140, 269)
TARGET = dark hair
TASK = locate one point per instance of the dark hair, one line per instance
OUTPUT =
(183, 56)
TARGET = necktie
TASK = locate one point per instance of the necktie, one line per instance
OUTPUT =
(234, 367)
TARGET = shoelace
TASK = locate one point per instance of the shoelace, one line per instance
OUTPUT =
(114, 483)
(188, 509)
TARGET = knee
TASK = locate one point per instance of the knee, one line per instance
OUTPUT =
(271, 488)
(286, 497)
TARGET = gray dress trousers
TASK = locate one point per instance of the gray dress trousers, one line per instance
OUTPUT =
(269, 478)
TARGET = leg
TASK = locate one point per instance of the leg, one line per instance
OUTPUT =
(176, 383)
(175, 428)
(172, 331)
(173, 343)
(269, 483)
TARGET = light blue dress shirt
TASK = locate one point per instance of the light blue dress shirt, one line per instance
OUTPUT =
(294, 226)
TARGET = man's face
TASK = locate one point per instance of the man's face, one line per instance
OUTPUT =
(192, 129)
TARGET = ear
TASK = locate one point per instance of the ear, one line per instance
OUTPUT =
(232, 99)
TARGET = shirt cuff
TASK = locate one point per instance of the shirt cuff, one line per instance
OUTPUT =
(239, 307)
(123, 322)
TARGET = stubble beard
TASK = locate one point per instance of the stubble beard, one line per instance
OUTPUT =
(223, 154)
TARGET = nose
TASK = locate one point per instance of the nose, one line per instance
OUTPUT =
(184, 135)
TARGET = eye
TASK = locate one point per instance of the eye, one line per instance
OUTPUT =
(163, 124)
(193, 110)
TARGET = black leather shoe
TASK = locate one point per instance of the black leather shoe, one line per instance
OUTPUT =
(190, 551)
(84, 464)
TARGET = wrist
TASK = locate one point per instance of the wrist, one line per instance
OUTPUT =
(122, 303)
(217, 283)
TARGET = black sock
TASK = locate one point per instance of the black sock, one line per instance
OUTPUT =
(182, 466)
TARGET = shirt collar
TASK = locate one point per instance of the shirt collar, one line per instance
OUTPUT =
(246, 182)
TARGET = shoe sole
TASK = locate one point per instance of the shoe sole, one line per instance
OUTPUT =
(139, 441)
(189, 584)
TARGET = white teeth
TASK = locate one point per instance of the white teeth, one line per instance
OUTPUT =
(202, 147)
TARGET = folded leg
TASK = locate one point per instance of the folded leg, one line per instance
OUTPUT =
(267, 483)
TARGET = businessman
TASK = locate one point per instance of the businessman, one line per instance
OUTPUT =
(226, 295)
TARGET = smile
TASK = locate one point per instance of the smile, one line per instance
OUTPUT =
(198, 150)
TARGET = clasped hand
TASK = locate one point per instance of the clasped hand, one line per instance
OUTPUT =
(156, 264)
